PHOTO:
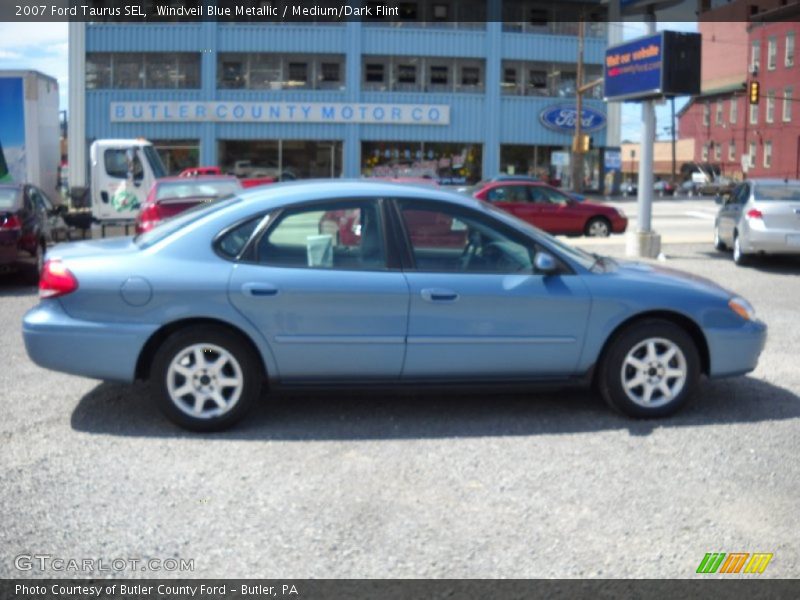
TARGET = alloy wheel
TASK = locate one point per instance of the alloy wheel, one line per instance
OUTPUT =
(654, 372)
(204, 381)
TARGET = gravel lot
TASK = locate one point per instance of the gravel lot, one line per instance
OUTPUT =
(371, 485)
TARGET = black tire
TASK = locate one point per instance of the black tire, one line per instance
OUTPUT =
(718, 243)
(610, 376)
(214, 336)
(740, 258)
(597, 227)
(35, 271)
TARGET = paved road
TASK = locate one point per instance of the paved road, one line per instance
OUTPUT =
(426, 485)
(677, 220)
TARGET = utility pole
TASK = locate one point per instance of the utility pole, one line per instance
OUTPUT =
(672, 127)
(577, 141)
(645, 242)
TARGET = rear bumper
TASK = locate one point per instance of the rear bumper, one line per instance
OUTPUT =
(108, 351)
(770, 241)
(735, 351)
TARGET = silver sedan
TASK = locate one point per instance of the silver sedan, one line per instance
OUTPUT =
(760, 216)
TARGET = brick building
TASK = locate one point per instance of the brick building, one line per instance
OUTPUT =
(762, 140)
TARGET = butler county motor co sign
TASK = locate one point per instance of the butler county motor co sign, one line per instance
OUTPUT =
(280, 112)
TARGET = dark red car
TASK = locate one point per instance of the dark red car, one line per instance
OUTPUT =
(552, 210)
(172, 195)
(25, 227)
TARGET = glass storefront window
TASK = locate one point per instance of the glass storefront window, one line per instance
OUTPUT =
(549, 163)
(422, 74)
(261, 71)
(178, 155)
(137, 70)
(444, 162)
(285, 160)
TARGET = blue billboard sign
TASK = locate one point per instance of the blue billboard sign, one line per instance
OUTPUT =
(633, 69)
(562, 117)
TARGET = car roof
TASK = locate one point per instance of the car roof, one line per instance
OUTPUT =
(774, 181)
(292, 192)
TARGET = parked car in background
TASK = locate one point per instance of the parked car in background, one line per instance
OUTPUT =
(552, 210)
(628, 188)
(214, 303)
(28, 221)
(663, 188)
(170, 196)
(721, 185)
(760, 216)
(247, 182)
(688, 188)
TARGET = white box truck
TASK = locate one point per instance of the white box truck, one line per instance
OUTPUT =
(29, 129)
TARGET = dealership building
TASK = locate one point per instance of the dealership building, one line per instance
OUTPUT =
(442, 91)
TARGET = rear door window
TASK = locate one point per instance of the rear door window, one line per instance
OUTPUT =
(332, 235)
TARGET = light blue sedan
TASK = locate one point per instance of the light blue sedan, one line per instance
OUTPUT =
(353, 283)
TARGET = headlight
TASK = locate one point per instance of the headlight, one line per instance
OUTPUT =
(742, 308)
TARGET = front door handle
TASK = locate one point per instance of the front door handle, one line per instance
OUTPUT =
(438, 295)
(259, 290)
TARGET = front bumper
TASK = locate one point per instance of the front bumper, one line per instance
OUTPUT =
(107, 351)
(735, 351)
(619, 225)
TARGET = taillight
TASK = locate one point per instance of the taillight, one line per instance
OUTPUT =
(148, 217)
(56, 280)
(754, 213)
(10, 222)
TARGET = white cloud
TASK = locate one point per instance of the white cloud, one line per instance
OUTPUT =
(38, 46)
(32, 35)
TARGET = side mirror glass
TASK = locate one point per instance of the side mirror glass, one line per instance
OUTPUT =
(545, 263)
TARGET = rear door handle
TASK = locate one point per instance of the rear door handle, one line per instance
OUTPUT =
(438, 295)
(259, 289)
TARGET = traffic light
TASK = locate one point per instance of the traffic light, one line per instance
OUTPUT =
(582, 144)
(754, 92)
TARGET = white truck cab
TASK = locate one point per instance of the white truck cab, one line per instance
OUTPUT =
(121, 174)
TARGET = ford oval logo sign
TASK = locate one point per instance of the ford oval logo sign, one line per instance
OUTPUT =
(562, 118)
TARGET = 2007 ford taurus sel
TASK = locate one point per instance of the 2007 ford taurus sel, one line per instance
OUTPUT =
(429, 287)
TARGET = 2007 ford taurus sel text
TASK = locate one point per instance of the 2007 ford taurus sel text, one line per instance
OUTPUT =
(433, 287)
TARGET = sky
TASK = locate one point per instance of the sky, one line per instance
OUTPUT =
(38, 46)
(43, 47)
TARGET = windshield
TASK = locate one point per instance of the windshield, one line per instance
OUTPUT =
(584, 259)
(170, 226)
(154, 159)
(197, 189)
(785, 192)
(8, 198)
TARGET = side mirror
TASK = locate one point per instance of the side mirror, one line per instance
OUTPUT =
(544, 263)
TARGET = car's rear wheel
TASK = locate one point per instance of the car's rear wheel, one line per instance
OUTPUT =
(598, 227)
(718, 243)
(650, 369)
(739, 257)
(207, 378)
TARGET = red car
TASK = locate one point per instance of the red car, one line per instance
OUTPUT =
(172, 195)
(247, 182)
(552, 210)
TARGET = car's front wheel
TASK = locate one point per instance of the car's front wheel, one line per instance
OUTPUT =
(650, 369)
(718, 243)
(739, 257)
(207, 378)
(598, 227)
